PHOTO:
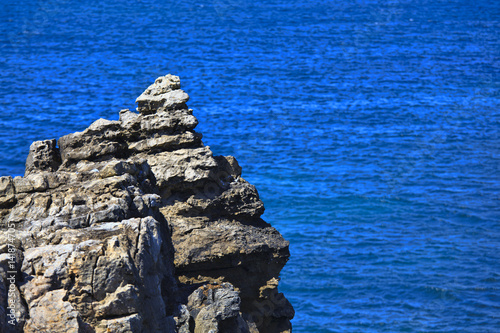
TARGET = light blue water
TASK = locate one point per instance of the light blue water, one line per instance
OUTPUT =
(370, 128)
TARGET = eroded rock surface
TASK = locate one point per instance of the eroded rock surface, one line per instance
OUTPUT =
(134, 226)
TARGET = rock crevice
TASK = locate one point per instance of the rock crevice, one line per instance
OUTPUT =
(134, 226)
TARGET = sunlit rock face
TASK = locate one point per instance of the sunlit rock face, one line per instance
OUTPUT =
(134, 226)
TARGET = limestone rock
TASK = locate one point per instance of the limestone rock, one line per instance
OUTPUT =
(134, 226)
(43, 156)
(216, 308)
(49, 306)
(164, 93)
(7, 191)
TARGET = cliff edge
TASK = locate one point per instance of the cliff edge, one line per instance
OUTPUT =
(134, 226)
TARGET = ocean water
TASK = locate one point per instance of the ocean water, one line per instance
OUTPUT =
(370, 128)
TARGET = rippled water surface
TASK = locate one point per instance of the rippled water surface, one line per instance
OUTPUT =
(370, 128)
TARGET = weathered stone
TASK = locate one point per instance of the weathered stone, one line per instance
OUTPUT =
(50, 306)
(134, 226)
(164, 93)
(216, 308)
(117, 168)
(127, 324)
(43, 156)
(166, 142)
(229, 165)
(7, 191)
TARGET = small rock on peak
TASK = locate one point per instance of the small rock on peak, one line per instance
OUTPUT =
(164, 94)
(164, 84)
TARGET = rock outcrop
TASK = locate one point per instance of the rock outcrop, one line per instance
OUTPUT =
(134, 226)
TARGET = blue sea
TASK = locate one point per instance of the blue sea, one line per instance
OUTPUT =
(370, 128)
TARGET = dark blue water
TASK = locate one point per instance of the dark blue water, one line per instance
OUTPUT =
(370, 128)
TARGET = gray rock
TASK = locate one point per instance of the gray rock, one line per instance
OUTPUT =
(43, 156)
(216, 308)
(134, 226)
(165, 94)
(7, 191)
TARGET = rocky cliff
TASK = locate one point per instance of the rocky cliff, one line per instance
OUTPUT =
(134, 226)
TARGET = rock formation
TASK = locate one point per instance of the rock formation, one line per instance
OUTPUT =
(134, 226)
